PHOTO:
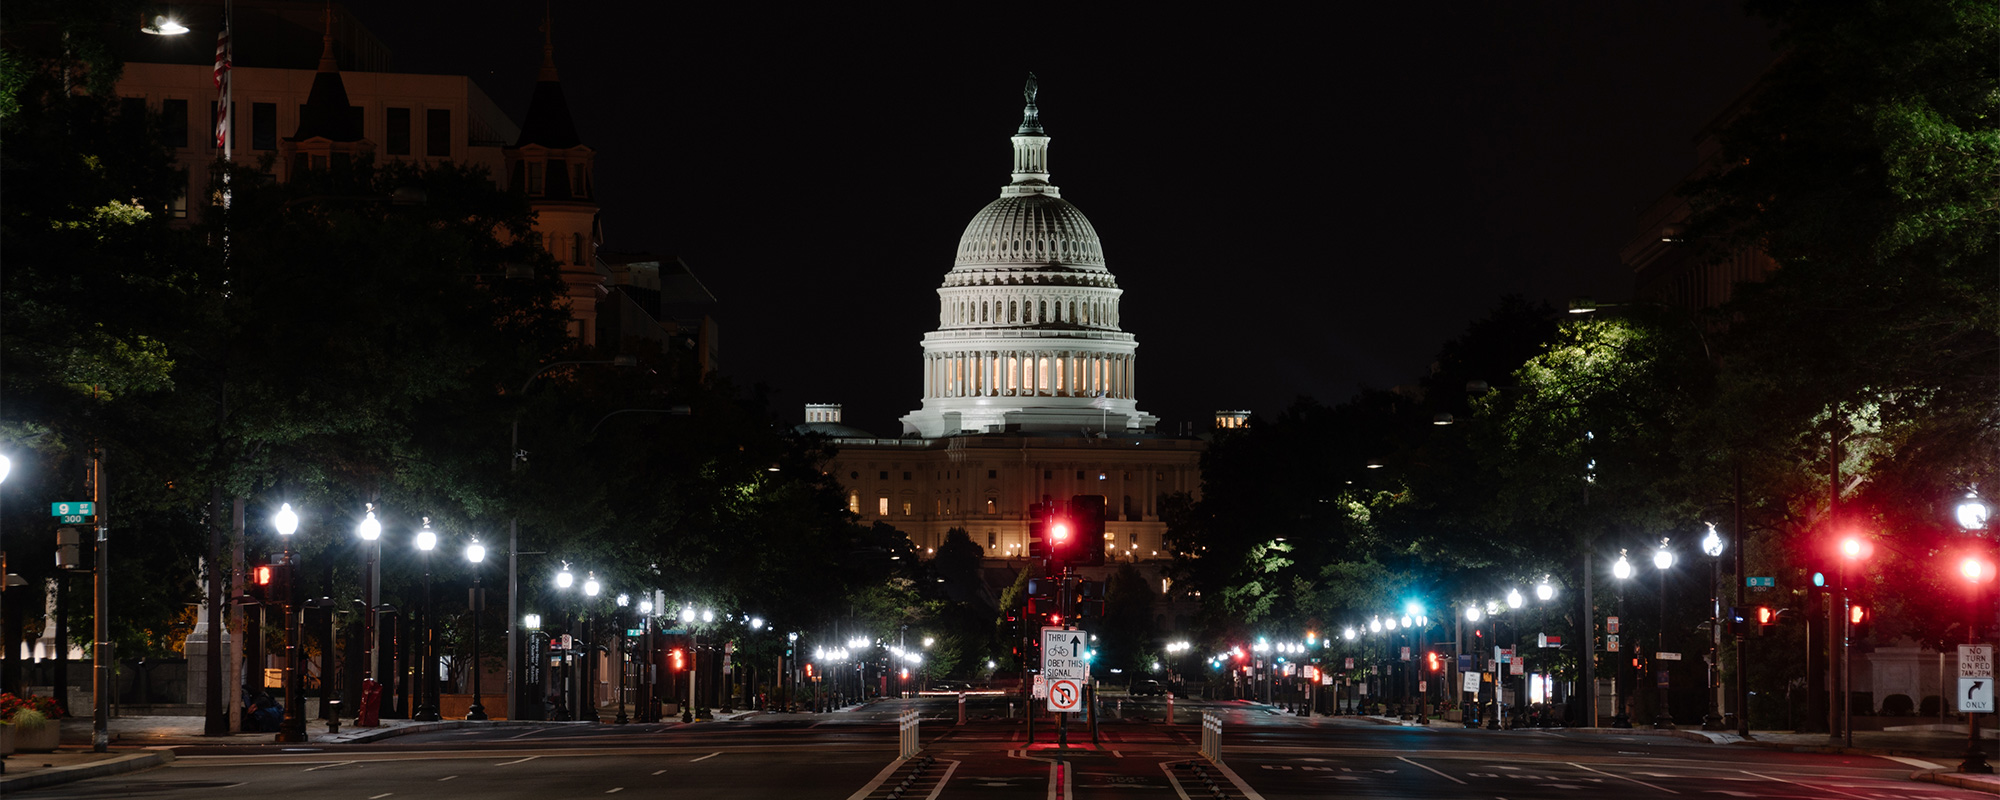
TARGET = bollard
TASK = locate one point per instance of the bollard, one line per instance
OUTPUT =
(1170, 708)
(961, 708)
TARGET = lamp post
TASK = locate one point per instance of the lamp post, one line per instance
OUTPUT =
(694, 661)
(618, 661)
(370, 531)
(1852, 549)
(586, 707)
(1712, 545)
(427, 702)
(532, 624)
(475, 554)
(286, 522)
(1663, 559)
(1621, 570)
(1977, 571)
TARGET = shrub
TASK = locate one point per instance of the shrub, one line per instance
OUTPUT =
(28, 720)
(11, 707)
(1897, 705)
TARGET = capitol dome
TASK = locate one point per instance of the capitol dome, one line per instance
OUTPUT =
(1028, 337)
(1029, 229)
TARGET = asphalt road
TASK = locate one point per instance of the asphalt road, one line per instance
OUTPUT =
(851, 755)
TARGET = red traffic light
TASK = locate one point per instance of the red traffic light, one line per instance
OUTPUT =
(1975, 569)
(1059, 530)
(1432, 659)
(679, 664)
(1055, 619)
(1855, 548)
(1766, 615)
(1857, 615)
(262, 575)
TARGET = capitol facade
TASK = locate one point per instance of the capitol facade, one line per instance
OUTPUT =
(1029, 389)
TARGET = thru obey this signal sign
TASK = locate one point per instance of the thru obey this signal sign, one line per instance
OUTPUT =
(1065, 663)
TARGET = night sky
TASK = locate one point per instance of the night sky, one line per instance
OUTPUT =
(1295, 204)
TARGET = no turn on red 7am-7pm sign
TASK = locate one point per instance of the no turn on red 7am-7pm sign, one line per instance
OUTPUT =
(1066, 666)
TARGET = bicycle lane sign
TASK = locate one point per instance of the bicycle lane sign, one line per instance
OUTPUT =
(1066, 667)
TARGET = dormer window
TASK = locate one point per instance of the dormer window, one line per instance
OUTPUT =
(535, 178)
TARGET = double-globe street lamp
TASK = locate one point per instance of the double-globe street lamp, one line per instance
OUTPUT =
(1620, 685)
(1663, 560)
(293, 729)
(475, 555)
(1978, 570)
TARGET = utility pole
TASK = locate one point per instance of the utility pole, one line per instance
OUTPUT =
(1742, 542)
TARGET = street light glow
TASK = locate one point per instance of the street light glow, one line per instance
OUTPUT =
(370, 528)
(646, 607)
(687, 614)
(1545, 591)
(427, 539)
(1472, 613)
(286, 521)
(1514, 599)
(590, 584)
(1622, 569)
(564, 578)
(1663, 558)
(475, 552)
(1972, 512)
(1712, 543)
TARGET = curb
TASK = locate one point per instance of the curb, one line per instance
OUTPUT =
(1827, 749)
(1949, 778)
(54, 776)
(441, 725)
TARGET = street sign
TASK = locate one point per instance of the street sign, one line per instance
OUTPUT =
(1547, 641)
(83, 507)
(1065, 695)
(1503, 654)
(1610, 624)
(632, 631)
(1611, 644)
(1041, 688)
(1519, 667)
(1350, 663)
(70, 519)
(1471, 682)
(1975, 661)
(1975, 695)
(1667, 656)
(1464, 662)
(1406, 654)
(1066, 665)
(1660, 679)
(1755, 582)
(1423, 686)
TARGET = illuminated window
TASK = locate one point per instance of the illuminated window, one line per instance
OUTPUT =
(992, 506)
(1132, 539)
(853, 502)
(906, 509)
(992, 539)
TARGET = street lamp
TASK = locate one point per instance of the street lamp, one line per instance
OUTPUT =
(370, 531)
(475, 554)
(1972, 512)
(286, 522)
(624, 601)
(427, 710)
(1663, 560)
(1712, 545)
(1853, 548)
(1621, 570)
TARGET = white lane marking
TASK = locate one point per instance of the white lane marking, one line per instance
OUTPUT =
(1914, 762)
(879, 778)
(707, 757)
(1057, 779)
(380, 796)
(1249, 793)
(329, 766)
(1806, 785)
(1623, 778)
(1434, 772)
(1165, 766)
(525, 735)
(1116, 754)
(658, 771)
(516, 761)
(446, 778)
(614, 790)
(942, 780)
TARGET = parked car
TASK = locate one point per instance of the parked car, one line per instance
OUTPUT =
(1148, 689)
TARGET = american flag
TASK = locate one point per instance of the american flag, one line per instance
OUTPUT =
(222, 67)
